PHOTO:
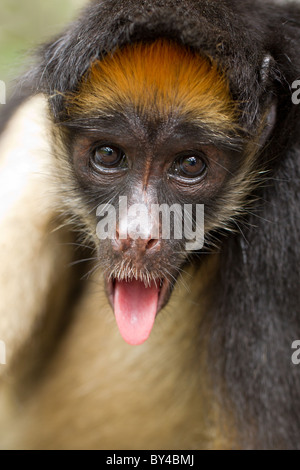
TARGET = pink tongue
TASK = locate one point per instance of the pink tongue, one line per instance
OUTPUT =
(135, 310)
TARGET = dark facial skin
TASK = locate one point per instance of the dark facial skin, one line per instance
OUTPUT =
(172, 162)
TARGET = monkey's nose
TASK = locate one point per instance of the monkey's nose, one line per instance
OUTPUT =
(136, 245)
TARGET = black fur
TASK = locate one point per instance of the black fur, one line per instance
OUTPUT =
(256, 315)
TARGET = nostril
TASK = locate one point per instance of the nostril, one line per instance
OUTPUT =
(116, 242)
(138, 245)
(153, 243)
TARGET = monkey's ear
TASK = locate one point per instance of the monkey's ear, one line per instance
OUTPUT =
(270, 113)
(269, 121)
(265, 70)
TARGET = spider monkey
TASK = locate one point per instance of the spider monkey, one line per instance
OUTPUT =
(161, 102)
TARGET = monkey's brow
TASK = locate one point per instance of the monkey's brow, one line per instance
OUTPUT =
(107, 122)
(118, 125)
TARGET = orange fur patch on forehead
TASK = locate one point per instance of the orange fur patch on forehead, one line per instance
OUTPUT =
(161, 79)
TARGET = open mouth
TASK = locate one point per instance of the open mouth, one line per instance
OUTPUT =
(136, 305)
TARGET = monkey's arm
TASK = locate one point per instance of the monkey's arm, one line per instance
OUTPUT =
(34, 259)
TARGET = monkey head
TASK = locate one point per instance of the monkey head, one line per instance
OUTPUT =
(154, 123)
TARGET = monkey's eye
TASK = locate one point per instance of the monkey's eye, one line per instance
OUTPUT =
(108, 157)
(189, 166)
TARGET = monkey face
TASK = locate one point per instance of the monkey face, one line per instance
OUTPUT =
(155, 124)
(163, 165)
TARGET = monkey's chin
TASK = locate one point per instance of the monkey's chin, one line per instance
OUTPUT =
(136, 306)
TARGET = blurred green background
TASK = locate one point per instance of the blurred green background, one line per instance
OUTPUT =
(26, 23)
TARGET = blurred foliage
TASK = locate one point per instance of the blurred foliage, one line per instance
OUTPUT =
(26, 23)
